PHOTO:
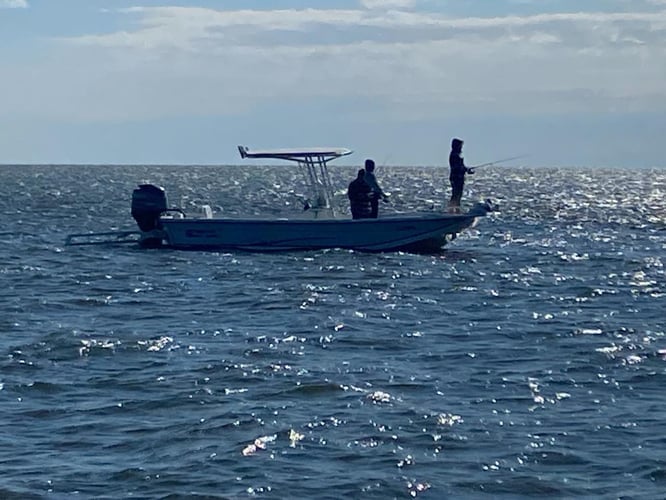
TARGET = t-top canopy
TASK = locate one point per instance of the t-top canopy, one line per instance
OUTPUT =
(299, 155)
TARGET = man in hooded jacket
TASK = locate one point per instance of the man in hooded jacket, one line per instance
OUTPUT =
(457, 174)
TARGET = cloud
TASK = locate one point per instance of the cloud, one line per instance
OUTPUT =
(388, 4)
(188, 28)
(187, 60)
(13, 4)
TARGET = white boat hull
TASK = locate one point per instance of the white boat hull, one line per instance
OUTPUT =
(425, 232)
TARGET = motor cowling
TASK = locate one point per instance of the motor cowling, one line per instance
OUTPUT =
(148, 203)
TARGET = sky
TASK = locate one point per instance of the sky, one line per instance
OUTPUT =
(564, 82)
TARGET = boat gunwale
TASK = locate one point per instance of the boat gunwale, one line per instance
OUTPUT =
(388, 219)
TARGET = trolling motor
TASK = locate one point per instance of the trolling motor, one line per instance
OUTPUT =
(482, 208)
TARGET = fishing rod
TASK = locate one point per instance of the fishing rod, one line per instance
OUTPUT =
(498, 161)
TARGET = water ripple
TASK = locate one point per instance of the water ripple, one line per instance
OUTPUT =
(526, 359)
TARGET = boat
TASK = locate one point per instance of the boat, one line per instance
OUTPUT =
(316, 227)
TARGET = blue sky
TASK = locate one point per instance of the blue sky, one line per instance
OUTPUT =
(569, 83)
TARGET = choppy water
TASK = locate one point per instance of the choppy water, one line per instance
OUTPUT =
(526, 360)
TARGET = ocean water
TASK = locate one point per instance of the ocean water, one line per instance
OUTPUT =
(526, 360)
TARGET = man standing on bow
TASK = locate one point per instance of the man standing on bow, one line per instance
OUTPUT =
(457, 174)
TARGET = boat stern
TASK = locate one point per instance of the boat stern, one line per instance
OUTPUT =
(149, 205)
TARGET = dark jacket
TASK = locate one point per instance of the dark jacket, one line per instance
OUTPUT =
(458, 168)
(359, 193)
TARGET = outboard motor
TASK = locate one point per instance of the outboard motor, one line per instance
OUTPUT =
(148, 203)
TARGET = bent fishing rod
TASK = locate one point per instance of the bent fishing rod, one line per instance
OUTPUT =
(498, 161)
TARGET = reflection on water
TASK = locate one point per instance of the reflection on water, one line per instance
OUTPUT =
(526, 359)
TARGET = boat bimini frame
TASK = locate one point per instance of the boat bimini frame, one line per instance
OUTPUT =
(313, 163)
